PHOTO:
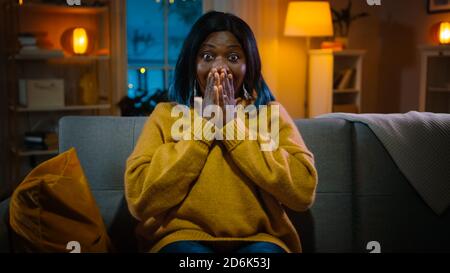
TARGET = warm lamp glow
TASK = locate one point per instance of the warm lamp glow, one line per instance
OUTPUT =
(80, 41)
(308, 19)
(444, 33)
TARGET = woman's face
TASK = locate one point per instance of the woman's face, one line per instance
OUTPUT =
(221, 50)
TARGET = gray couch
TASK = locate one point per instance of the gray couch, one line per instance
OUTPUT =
(362, 196)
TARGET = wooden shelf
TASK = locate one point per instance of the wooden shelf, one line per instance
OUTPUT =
(434, 47)
(61, 9)
(63, 108)
(24, 153)
(349, 52)
(62, 58)
(346, 108)
(344, 53)
(439, 89)
(344, 91)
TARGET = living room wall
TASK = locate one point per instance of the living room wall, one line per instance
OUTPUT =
(283, 58)
(391, 35)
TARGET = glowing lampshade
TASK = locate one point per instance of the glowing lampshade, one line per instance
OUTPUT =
(444, 33)
(80, 40)
(309, 19)
(77, 41)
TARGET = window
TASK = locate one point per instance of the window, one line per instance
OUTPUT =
(156, 30)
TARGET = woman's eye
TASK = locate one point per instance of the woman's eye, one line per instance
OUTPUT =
(233, 58)
(207, 57)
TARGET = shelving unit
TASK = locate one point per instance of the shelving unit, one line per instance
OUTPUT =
(61, 9)
(335, 81)
(435, 79)
(35, 17)
(23, 153)
(63, 58)
(64, 108)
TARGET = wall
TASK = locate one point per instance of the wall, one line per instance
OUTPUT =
(391, 36)
(283, 58)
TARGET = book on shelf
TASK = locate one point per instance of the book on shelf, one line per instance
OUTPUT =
(344, 79)
(36, 43)
(27, 41)
(41, 140)
(34, 51)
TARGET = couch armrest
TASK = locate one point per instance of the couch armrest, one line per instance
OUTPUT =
(5, 245)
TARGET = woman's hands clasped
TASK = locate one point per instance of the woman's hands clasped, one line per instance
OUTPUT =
(219, 91)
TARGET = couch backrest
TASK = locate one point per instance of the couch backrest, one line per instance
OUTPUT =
(104, 143)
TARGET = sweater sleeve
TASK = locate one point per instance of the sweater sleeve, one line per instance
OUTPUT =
(160, 171)
(287, 172)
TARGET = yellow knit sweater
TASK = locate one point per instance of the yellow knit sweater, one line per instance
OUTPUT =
(220, 190)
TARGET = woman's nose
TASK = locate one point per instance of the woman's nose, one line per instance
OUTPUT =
(220, 63)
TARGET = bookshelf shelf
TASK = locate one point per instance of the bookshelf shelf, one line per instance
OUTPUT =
(26, 153)
(64, 108)
(61, 9)
(32, 57)
(335, 81)
(439, 89)
(348, 90)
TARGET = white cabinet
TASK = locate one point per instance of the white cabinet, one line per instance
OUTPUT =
(435, 79)
(335, 79)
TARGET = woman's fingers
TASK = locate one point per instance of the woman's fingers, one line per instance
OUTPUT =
(208, 86)
(208, 82)
(216, 78)
(230, 87)
(221, 98)
(216, 95)
(220, 87)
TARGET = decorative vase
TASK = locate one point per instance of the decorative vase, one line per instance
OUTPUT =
(89, 89)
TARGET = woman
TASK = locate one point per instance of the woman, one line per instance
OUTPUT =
(203, 195)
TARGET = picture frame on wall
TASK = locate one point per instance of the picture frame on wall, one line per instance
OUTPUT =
(437, 6)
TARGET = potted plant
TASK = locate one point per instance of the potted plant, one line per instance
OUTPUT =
(342, 20)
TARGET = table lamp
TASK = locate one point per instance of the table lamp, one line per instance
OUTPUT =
(308, 19)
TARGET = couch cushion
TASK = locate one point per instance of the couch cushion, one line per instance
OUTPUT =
(330, 142)
(327, 227)
(103, 145)
(118, 220)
